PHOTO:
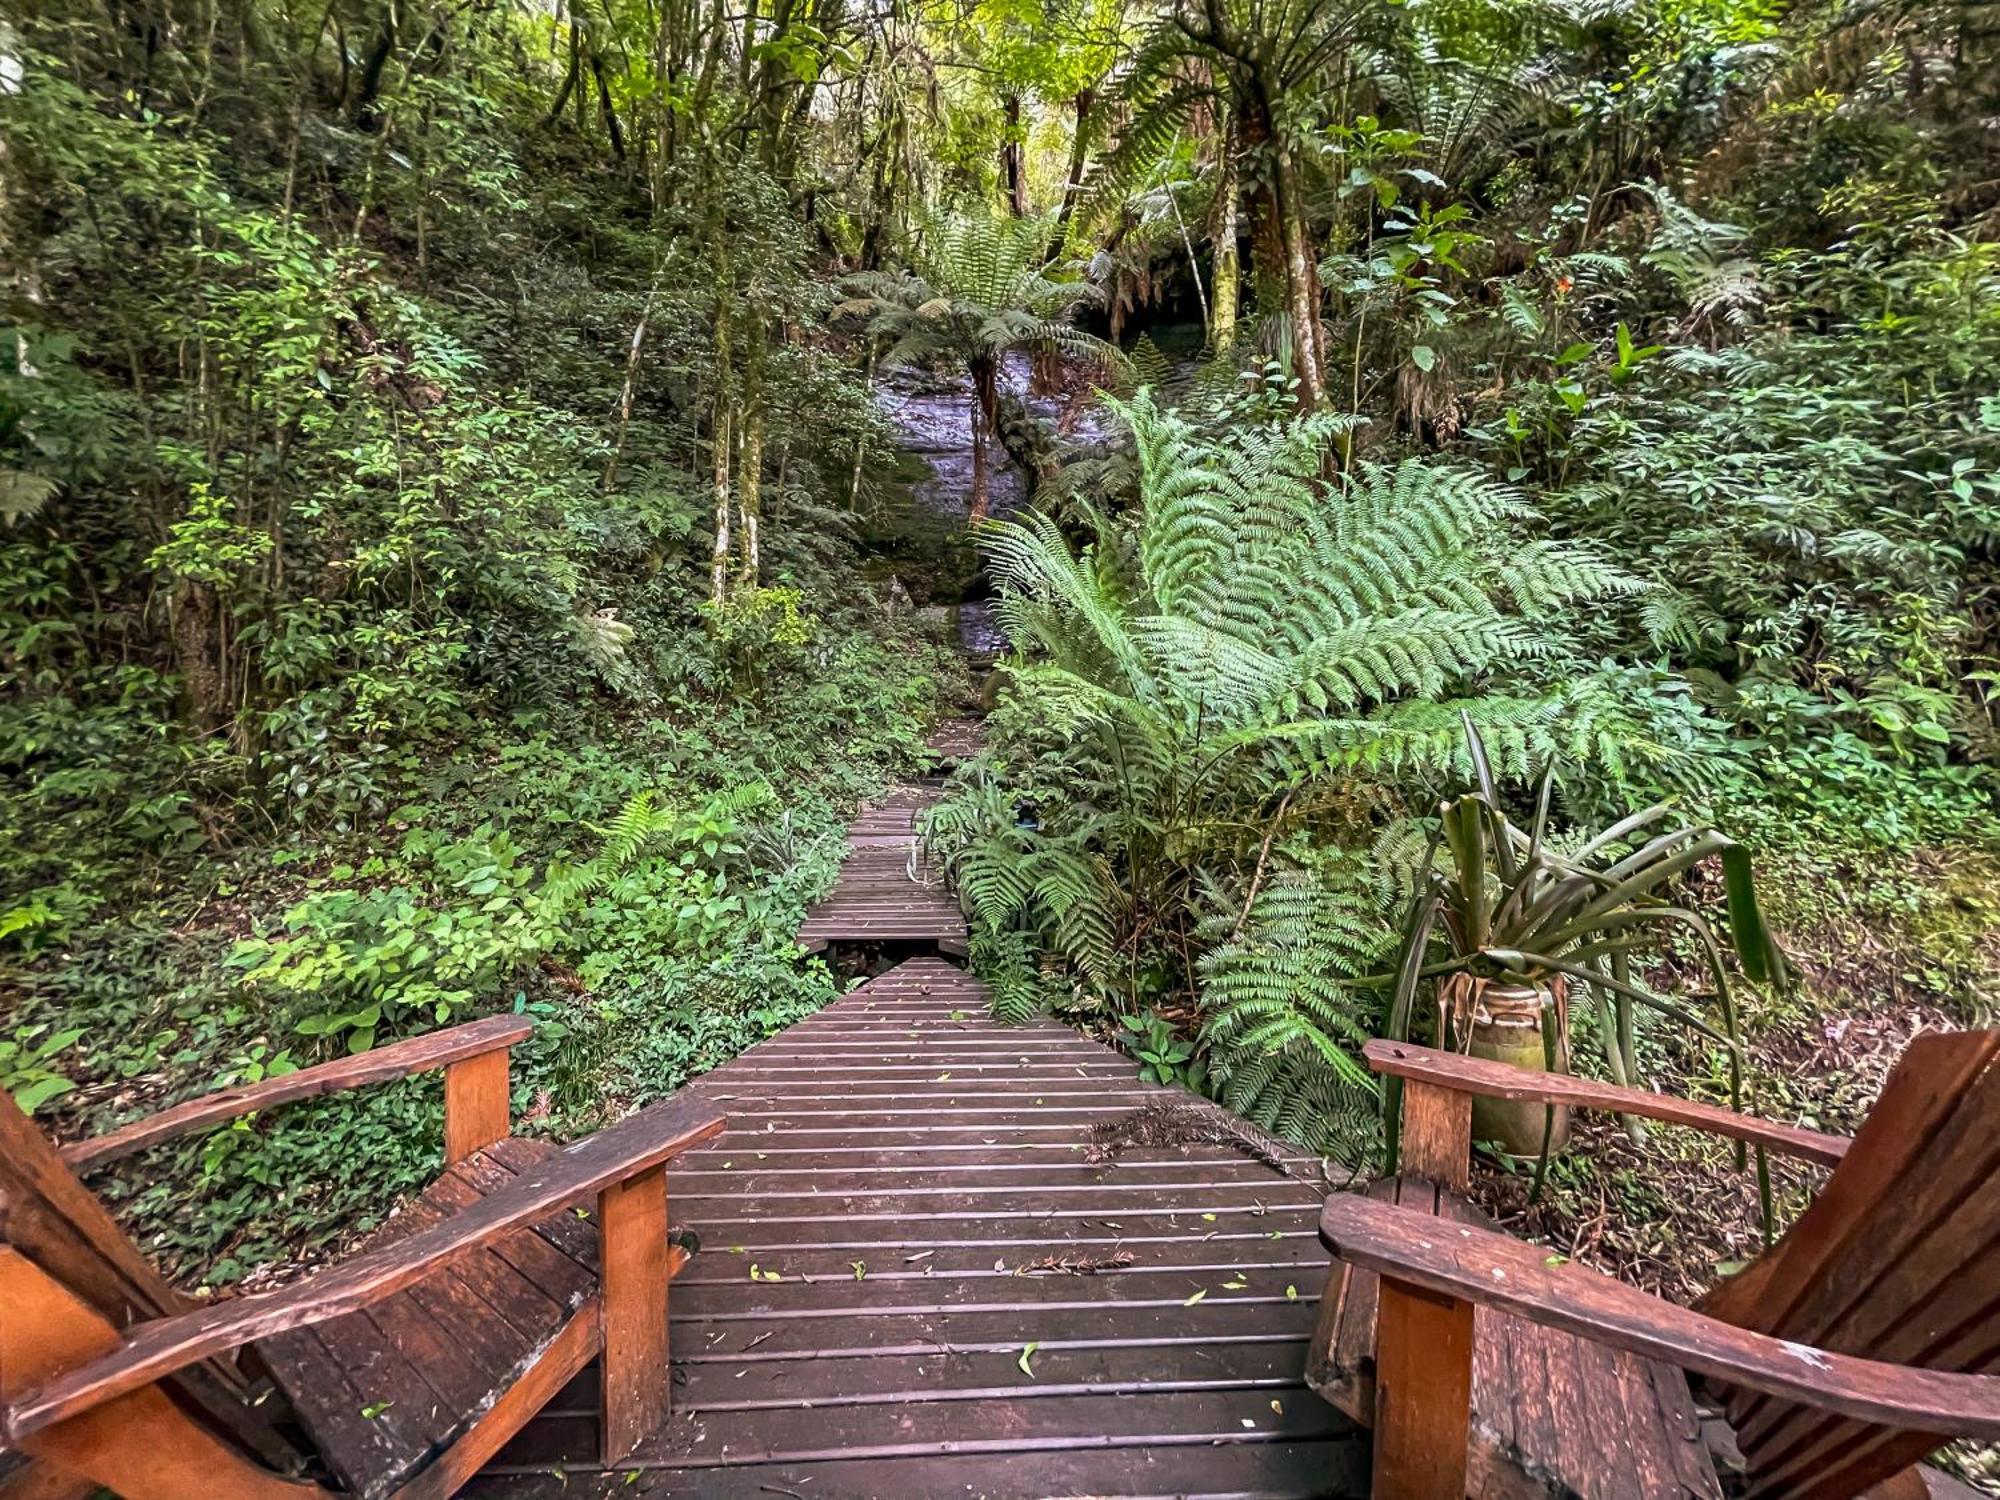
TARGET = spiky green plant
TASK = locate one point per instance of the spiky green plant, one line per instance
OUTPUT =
(1505, 903)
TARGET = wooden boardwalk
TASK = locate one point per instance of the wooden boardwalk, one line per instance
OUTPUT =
(907, 1197)
(888, 892)
(944, 1257)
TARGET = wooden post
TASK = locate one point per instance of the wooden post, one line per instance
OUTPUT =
(632, 1241)
(1423, 1394)
(139, 1445)
(475, 1104)
(1437, 1134)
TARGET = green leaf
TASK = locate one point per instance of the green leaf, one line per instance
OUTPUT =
(1423, 357)
(1027, 1354)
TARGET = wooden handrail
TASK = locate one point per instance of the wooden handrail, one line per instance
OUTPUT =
(423, 1054)
(1466, 1264)
(1495, 1080)
(158, 1348)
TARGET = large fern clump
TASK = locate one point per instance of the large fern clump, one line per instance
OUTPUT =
(1271, 616)
(1283, 1019)
(1238, 671)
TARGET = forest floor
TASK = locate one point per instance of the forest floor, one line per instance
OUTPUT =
(1884, 950)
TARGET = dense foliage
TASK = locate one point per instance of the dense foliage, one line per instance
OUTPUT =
(444, 566)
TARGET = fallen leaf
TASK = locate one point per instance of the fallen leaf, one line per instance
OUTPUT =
(375, 1409)
(860, 1270)
(1195, 1298)
(1291, 1294)
(1026, 1355)
(1234, 1286)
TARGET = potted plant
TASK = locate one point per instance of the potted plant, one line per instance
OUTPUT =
(1510, 928)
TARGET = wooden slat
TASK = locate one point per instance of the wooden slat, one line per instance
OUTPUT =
(632, 1231)
(1423, 1392)
(141, 1444)
(1516, 1278)
(399, 1060)
(475, 1104)
(1472, 1075)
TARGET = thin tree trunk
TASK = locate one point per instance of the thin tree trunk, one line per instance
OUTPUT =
(1227, 289)
(1079, 157)
(1301, 286)
(750, 466)
(718, 572)
(985, 407)
(719, 569)
(1012, 158)
(630, 386)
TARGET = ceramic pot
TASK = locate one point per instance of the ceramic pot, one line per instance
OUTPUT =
(1504, 1023)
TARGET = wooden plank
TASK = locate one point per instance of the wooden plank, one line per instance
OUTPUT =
(632, 1231)
(553, 1368)
(475, 1104)
(398, 1060)
(47, 1215)
(368, 1411)
(1182, 1418)
(1921, 1092)
(720, 1382)
(1472, 1075)
(1437, 1134)
(1516, 1278)
(140, 1445)
(644, 1141)
(1423, 1392)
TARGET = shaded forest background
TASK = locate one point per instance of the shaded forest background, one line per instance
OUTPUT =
(444, 565)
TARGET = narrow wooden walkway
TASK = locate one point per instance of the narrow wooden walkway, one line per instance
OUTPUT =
(943, 1257)
(907, 1198)
(888, 891)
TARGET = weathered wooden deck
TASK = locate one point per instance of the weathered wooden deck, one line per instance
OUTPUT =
(888, 892)
(943, 1257)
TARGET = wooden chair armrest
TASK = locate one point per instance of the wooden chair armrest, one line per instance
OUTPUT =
(158, 1348)
(1464, 1264)
(439, 1049)
(1495, 1080)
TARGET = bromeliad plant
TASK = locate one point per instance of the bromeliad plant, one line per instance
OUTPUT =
(1506, 907)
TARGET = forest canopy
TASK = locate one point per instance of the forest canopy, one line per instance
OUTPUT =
(458, 548)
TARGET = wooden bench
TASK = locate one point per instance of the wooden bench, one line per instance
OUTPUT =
(1847, 1352)
(406, 1366)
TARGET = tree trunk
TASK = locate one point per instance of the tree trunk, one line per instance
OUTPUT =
(985, 410)
(1227, 282)
(1301, 286)
(750, 467)
(1013, 158)
(1079, 156)
(197, 634)
(718, 571)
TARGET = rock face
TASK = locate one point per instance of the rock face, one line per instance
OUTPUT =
(931, 412)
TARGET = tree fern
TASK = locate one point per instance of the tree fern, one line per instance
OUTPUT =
(1283, 1027)
(1217, 668)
